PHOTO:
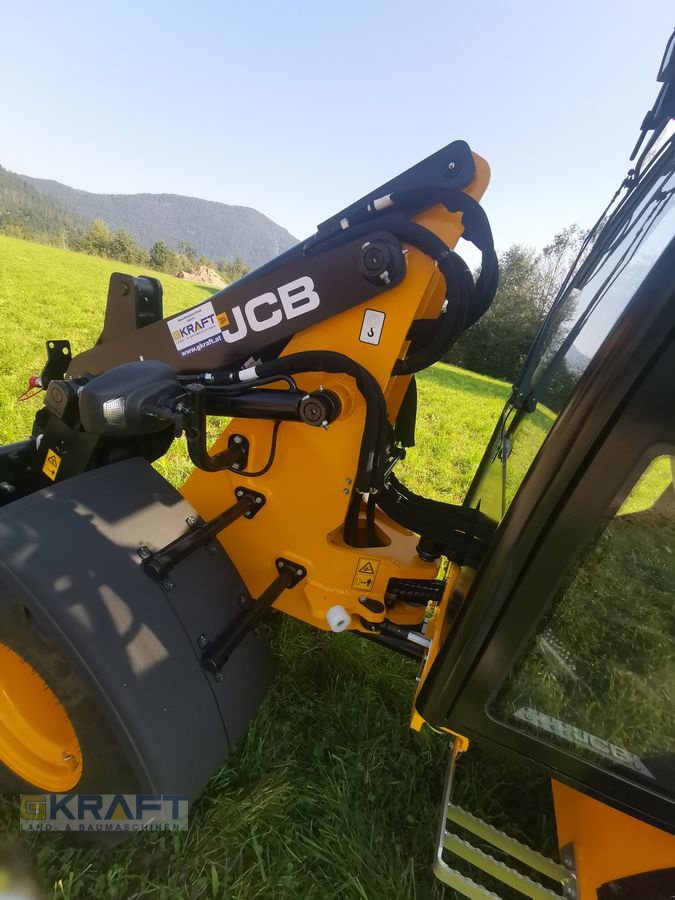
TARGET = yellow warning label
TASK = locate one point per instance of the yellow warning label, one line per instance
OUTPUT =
(52, 463)
(223, 321)
(366, 570)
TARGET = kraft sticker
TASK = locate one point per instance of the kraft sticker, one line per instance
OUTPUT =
(195, 330)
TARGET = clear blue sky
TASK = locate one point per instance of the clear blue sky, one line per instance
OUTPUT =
(299, 108)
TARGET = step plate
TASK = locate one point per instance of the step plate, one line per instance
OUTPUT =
(452, 848)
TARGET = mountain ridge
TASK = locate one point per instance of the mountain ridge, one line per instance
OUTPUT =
(217, 230)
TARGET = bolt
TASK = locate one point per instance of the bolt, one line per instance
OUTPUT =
(243, 600)
(374, 259)
(191, 521)
(567, 856)
(312, 411)
(363, 599)
(7, 487)
(256, 631)
(258, 500)
(71, 760)
(346, 491)
(570, 888)
(202, 642)
(236, 466)
(219, 676)
(144, 552)
(348, 481)
(299, 573)
(212, 549)
(237, 439)
(451, 166)
(239, 492)
(168, 585)
(280, 564)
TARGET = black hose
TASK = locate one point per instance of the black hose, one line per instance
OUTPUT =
(370, 472)
(466, 301)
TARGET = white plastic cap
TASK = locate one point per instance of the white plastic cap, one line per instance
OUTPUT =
(338, 618)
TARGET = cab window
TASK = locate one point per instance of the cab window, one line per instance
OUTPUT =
(575, 330)
(599, 676)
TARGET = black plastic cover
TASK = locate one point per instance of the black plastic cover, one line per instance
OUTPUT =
(119, 401)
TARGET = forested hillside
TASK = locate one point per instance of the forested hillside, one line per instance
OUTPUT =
(23, 208)
(215, 230)
(45, 210)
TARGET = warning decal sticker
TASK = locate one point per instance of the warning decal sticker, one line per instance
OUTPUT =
(195, 329)
(366, 570)
(52, 463)
(371, 329)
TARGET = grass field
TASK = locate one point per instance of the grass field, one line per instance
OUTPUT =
(330, 795)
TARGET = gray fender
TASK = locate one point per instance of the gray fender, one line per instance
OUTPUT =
(72, 552)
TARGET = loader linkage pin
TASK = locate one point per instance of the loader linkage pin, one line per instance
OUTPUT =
(221, 649)
(158, 565)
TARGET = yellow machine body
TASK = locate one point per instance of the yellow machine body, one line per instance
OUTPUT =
(608, 844)
(303, 516)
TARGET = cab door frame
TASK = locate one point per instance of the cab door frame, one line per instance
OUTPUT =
(624, 402)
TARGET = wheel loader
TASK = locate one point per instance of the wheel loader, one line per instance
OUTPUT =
(132, 647)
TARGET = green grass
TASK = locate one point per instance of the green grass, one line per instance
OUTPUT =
(330, 795)
(50, 293)
(457, 412)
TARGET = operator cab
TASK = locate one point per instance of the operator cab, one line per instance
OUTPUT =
(564, 649)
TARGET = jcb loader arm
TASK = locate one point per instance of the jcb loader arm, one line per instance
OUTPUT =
(153, 600)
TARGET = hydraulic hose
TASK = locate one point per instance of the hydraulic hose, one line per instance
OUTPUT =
(370, 472)
(467, 301)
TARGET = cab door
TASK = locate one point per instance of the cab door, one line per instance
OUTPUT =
(563, 651)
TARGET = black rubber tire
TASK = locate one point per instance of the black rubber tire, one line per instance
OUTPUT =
(105, 767)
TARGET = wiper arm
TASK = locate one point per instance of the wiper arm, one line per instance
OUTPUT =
(523, 384)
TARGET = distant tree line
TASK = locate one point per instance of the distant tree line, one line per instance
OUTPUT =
(528, 282)
(98, 240)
